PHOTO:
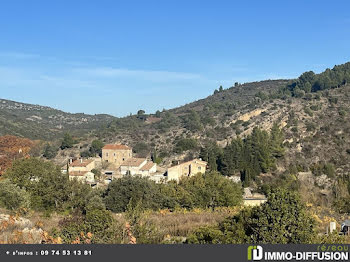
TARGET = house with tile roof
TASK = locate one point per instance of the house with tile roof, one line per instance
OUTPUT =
(138, 166)
(116, 154)
(82, 165)
(148, 169)
(132, 166)
(82, 176)
(186, 169)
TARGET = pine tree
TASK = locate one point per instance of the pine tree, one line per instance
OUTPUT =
(231, 159)
(276, 141)
(50, 151)
(67, 141)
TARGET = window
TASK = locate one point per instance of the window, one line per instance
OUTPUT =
(106, 154)
(114, 154)
(123, 159)
(199, 168)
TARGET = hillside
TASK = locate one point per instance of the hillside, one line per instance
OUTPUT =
(41, 122)
(210, 118)
(285, 135)
(313, 112)
(45, 123)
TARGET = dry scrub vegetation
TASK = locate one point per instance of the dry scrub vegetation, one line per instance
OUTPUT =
(181, 222)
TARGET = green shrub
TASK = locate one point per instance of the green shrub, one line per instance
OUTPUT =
(50, 151)
(121, 191)
(185, 144)
(48, 187)
(212, 190)
(192, 121)
(308, 111)
(67, 142)
(281, 220)
(315, 107)
(12, 196)
(205, 191)
(310, 126)
(205, 235)
(142, 149)
(99, 222)
(327, 169)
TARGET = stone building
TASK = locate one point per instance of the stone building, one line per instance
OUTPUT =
(148, 169)
(138, 166)
(115, 154)
(82, 176)
(253, 199)
(186, 169)
(132, 166)
(82, 165)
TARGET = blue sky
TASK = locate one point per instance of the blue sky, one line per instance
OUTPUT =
(117, 57)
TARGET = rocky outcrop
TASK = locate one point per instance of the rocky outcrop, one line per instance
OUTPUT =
(14, 229)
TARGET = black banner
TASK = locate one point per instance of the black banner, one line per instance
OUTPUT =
(177, 253)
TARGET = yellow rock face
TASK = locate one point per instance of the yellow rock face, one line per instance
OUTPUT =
(251, 114)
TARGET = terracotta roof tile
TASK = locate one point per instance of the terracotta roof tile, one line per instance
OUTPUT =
(79, 163)
(147, 166)
(133, 162)
(192, 161)
(195, 160)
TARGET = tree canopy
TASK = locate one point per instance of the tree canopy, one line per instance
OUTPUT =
(67, 142)
(205, 191)
(50, 151)
(248, 157)
(310, 82)
(42, 179)
(283, 219)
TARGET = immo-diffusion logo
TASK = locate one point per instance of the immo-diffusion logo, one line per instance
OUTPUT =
(330, 253)
(255, 253)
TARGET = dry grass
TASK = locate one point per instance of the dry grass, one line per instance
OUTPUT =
(29, 228)
(182, 222)
(46, 223)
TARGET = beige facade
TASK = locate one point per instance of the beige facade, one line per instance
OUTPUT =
(82, 176)
(148, 169)
(115, 154)
(186, 169)
(132, 166)
(82, 165)
(158, 178)
(138, 166)
(254, 201)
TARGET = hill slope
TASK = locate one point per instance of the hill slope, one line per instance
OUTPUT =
(315, 121)
(40, 122)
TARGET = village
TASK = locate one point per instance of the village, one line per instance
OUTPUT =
(117, 161)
